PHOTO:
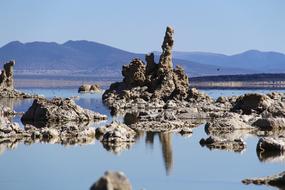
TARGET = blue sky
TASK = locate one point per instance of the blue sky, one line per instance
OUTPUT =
(222, 26)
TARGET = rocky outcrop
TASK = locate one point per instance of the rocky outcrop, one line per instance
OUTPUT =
(7, 89)
(270, 123)
(275, 180)
(269, 105)
(7, 76)
(152, 84)
(112, 181)
(58, 110)
(229, 122)
(250, 103)
(87, 88)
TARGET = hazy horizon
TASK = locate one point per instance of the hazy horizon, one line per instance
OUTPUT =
(221, 26)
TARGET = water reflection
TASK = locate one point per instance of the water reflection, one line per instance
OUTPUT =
(166, 145)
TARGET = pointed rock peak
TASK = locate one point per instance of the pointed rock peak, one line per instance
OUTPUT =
(166, 55)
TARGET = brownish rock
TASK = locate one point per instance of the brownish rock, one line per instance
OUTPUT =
(7, 75)
(150, 82)
(112, 181)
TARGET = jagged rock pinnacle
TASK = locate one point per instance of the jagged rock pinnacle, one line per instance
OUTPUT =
(166, 55)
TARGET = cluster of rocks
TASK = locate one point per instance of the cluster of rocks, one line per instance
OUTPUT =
(89, 88)
(151, 85)
(58, 110)
(52, 121)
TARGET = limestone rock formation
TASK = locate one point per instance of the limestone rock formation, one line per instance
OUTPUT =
(112, 181)
(270, 123)
(58, 110)
(7, 76)
(87, 88)
(252, 102)
(152, 82)
(7, 89)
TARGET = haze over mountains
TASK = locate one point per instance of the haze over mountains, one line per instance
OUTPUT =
(91, 58)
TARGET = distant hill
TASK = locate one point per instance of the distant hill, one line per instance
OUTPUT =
(91, 58)
(257, 61)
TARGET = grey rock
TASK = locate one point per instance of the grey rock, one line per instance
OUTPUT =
(112, 181)
(58, 110)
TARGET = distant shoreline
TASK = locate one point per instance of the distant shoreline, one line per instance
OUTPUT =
(247, 81)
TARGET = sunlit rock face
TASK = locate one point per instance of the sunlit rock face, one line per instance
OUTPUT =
(151, 83)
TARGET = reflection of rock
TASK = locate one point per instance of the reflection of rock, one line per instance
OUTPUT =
(87, 88)
(70, 133)
(158, 121)
(166, 144)
(271, 144)
(58, 110)
(112, 181)
(271, 156)
(117, 148)
(236, 145)
(275, 180)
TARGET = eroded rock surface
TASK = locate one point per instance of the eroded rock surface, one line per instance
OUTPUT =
(58, 110)
(152, 84)
(7, 89)
(112, 181)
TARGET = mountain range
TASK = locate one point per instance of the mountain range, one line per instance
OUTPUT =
(92, 58)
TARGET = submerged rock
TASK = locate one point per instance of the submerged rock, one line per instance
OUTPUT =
(58, 110)
(112, 181)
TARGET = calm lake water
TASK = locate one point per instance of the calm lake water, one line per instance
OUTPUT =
(155, 161)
